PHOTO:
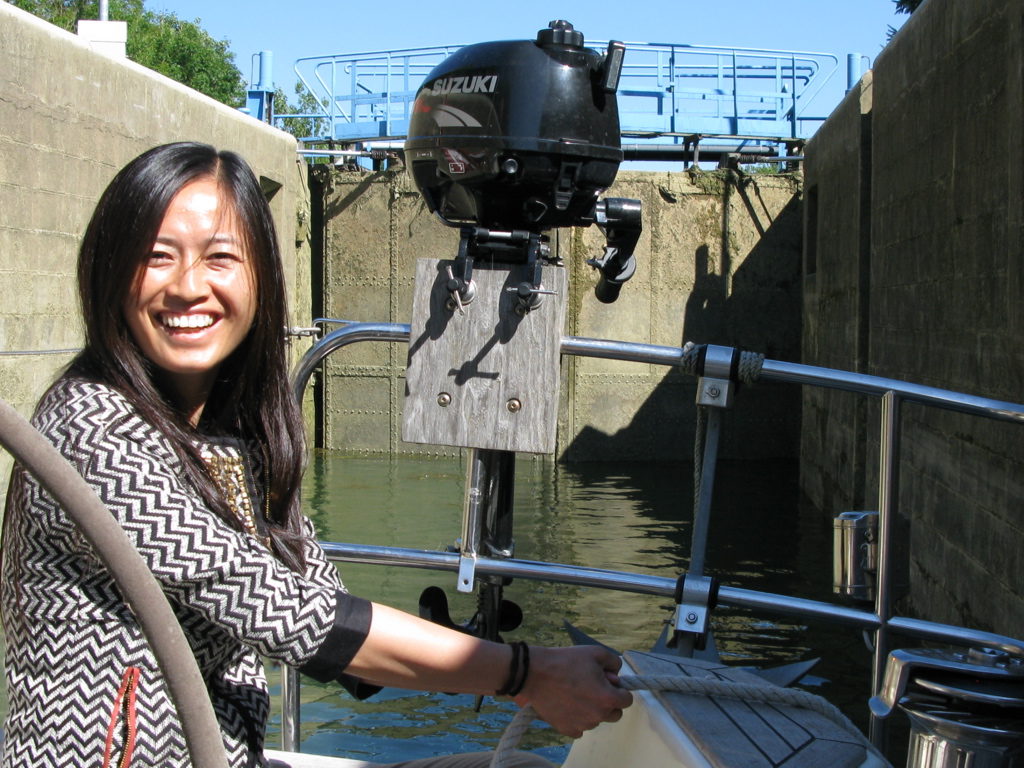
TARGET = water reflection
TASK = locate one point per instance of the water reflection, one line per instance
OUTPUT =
(625, 517)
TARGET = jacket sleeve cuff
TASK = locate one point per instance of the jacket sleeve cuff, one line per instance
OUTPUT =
(359, 689)
(352, 616)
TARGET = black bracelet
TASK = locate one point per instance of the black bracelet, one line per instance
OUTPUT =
(513, 672)
(517, 689)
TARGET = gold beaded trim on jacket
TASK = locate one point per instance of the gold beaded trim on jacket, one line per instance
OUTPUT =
(228, 473)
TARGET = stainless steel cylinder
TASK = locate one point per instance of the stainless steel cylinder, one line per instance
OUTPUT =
(855, 554)
(945, 738)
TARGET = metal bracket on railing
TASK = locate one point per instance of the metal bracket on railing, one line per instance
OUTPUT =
(467, 573)
(473, 514)
(300, 332)
(717, 382)
(696, 597)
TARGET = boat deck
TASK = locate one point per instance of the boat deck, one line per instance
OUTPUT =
(732, 733)
(707, 731)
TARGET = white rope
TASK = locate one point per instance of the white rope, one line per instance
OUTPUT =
(705, 686)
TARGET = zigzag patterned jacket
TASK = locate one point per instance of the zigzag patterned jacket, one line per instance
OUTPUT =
(84, 688)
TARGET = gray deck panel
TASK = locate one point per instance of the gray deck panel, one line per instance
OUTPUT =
(737, 734)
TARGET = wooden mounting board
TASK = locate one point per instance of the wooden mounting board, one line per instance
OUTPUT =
(483, 360)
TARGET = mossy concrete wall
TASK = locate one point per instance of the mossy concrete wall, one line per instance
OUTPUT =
(914, 269)
(718, 262)
(69, 119)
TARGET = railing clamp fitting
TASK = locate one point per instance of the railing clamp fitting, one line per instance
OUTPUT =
(300, 332)
(696, 597)
(718, 369)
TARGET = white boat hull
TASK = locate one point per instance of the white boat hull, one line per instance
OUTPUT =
(647, 735)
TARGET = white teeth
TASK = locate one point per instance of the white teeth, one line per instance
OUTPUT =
(187, 321)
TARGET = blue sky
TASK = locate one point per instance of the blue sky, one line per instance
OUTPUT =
(300, 28)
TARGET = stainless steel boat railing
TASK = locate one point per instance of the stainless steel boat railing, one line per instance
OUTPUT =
(882, 622)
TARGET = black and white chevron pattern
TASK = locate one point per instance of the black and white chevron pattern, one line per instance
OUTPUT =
(69, 636)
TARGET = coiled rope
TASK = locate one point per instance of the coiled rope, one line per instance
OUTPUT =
(747, 370)
(705, 686)
(689, 359)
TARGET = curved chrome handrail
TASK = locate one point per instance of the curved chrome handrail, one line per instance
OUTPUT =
(772, 370)
(335, 340)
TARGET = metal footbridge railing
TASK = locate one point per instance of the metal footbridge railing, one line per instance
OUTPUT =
(667, 92)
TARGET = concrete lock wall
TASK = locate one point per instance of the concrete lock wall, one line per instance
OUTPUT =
(718, 262)
(913, 270)
(69, 119)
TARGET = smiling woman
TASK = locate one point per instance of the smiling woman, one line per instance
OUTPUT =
(194, 300)
(179, 414)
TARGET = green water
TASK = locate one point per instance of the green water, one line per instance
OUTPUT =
(629, 517)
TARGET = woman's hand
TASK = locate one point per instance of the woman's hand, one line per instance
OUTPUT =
(574, 689)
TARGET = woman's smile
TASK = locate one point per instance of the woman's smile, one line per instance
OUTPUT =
(186, 322)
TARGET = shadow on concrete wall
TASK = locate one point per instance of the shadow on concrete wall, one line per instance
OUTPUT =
(756, 307)
(706, 305)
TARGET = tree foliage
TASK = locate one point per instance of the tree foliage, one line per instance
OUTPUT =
(62, 13)
(311, 124)
(904, 6)
(907, 6)
(181, 50)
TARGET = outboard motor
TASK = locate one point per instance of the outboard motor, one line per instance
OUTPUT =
(965, 708)
(523, 135)
(518, 133)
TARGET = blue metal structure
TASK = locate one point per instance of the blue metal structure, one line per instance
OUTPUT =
(259, 99)
(667, 92)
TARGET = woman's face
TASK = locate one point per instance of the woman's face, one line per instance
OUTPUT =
(194, 299)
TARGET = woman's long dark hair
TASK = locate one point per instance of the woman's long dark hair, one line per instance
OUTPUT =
(251, 397)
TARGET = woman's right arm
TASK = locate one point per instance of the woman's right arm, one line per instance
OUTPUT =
(574, 689)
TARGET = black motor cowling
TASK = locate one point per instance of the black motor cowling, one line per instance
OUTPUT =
(518, 134)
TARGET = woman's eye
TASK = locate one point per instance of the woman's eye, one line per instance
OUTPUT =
(224, 259)
(159, 257)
